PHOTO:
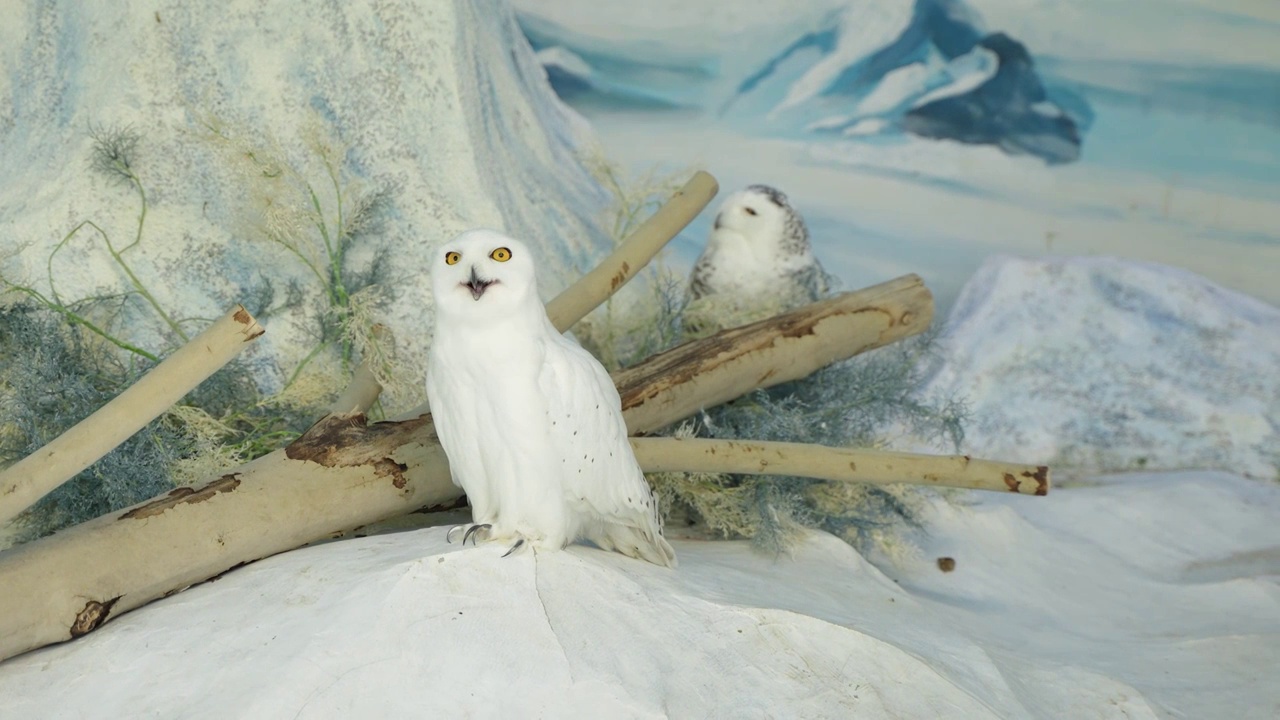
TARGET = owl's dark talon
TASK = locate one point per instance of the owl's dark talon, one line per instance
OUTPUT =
(471, 531)
(448, 537)
(514, 547)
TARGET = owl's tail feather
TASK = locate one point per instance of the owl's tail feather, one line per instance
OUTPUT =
(637, 543)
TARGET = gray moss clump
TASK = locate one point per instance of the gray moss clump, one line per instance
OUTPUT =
(855, 403)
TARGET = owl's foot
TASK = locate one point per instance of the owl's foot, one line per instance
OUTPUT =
(472, 532)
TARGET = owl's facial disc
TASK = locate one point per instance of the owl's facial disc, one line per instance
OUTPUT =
(476, 284)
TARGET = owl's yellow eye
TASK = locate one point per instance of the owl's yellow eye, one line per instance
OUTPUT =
(501, 254)
(452, 258)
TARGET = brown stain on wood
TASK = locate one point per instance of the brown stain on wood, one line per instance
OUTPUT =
(92, 616)
(243, 317)
(183, 496)
(1011, 482)
(620, 277)
(1041, 476)
(350, 441)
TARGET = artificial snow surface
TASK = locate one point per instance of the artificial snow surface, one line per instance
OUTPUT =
(1132, 597)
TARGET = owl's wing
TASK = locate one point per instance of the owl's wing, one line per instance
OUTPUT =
(456, 427)
(700, 278)
(603, 482)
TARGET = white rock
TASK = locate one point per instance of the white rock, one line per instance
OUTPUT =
(1102, 363)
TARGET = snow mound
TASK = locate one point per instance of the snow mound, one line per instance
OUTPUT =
(407, 626)
(440, 106)
(1128, 597)
(1101, 364)
(1138, 595)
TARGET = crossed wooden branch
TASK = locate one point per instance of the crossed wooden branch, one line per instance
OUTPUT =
(344, 472)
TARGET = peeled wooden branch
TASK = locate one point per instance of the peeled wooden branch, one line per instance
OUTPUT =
(342, 474)
(746, 457)
(633, 254)
(364, 389)
(41, 472)
(733, 362)
(361, 393)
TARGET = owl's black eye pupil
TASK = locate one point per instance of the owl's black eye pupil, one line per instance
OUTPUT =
(751, 211)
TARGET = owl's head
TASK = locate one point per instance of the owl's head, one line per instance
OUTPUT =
(760, 215)
(483, 273)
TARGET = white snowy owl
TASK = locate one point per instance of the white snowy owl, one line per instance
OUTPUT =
(758, 247)
(530, 421)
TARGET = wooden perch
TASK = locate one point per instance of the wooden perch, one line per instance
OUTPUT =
(733, 362)
(667, 454)
(343, 473)
(41, 472)
(361, 393)
(634, 253)
(364, 389)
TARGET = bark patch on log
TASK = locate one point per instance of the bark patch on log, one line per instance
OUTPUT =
(620, 277)
(184, 495)
(94, 614)
(1041, 476)
(1012, 482)
(337, 441)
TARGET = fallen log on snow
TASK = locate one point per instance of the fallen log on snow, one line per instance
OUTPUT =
(878, 467)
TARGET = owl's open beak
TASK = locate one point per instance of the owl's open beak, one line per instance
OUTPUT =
(476, 285)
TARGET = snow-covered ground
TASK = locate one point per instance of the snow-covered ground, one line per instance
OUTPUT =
(1139, 596)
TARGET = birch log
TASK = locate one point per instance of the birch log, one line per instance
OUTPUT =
(748, 457)
(634, 253)
(773, 351)
(343, 473)
(44, 470)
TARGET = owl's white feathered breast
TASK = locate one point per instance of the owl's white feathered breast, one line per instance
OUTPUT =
(531, 423)
(758, 245)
